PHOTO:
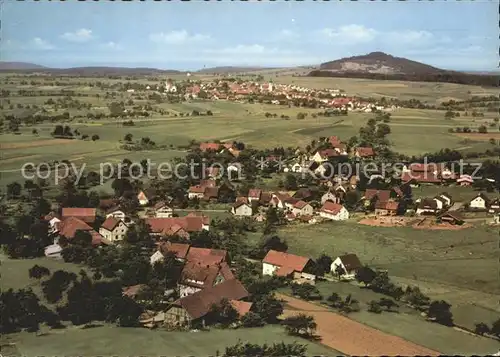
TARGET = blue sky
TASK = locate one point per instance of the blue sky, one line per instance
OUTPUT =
(461, 35)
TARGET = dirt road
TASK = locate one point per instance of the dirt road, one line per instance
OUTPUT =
(351, 337)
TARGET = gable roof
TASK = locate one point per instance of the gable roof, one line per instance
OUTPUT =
(282, 259)
(382, 195)
(188, 223)
(300, 204)
(206, 255)
(387, 205)
(160, 205)
(427, 203)
(199, 304)
(254, 193)
(85, 214)
(350, 261)
(365, 151)
(69, 226)
(180, 250)
(202, 275)
(242, 307)
(331, 208)
(209, 146)
(110, 223)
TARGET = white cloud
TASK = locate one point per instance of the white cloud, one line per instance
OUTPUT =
(350, 34)
(256, 54)
(111, 46)
(81, 35)
(177, 37)
(39, 44)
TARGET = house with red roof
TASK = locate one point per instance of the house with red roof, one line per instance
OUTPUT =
(199, 275)
(192, 309)
(254, 194)
(180, 226)
(323, 155)
(204, 147)
(162, 210)
(142, 198)
(302, 208)
(364, 152)
(113, 229)
(388, 208)
(333, 211)
(85, 214)
(288, 265)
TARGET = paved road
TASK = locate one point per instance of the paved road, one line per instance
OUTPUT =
(351, 337)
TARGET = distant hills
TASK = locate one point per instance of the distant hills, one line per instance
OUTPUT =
(9, 66)
(379, 62)
(85, 71)
(374, 65)
(379, 65)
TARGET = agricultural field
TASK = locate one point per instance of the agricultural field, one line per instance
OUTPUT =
(436, 258)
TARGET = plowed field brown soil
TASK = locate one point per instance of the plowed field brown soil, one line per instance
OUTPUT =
(351, 337)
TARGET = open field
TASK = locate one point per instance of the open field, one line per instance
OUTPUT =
(403, 333)
(419, 256)
(116, 341)
(351, 337)
(424, 91)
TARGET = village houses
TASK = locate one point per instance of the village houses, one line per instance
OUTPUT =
(349, 263)
(284, 264)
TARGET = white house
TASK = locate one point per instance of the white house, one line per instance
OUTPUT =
(440, 203)
(142, 198)
(334, 211)
(446, 198)
(113, 229)
(53, 224)
(241, 209)
(480, 202)
(53, 251)
(162, 210)
(302, 208)
(285, 264)
(330, 196)
(350, 264)
(196, 192)
(254, 194)
(116, 213)
(234, 170)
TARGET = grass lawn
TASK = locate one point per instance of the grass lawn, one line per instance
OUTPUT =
(115, 341)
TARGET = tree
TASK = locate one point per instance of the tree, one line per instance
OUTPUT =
(388, 303)
(439, 311)
(13, 190)
(37, 272)
(223, 314)
(449, 115)
(340, 271)
(323, 265)
(268, 307)
(482, 129)
(128, 137)
(253, 350)
(306, 291)
(252, 319)
(481, 328)
(365, 275)
(95, 137)
(495, 328)
(300, 325)
(374, 306)
(290, 182)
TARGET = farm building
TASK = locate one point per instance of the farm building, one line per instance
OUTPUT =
(427, 206)
(87, 215)
(454, 218)
(285, 264)
(199, 275)
(190, 310)
(389, 208)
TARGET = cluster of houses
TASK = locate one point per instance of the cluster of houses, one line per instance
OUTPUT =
(282, 94)
(207, 279)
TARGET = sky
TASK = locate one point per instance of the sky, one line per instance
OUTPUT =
(458, 35)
